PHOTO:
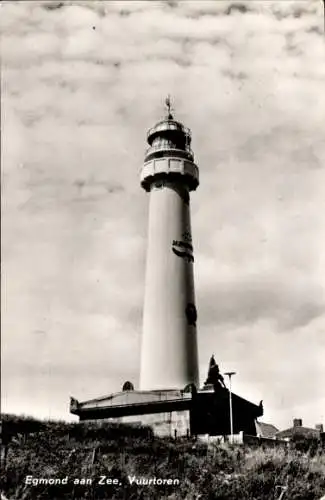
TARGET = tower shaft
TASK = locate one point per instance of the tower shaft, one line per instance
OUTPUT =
(169, 340)
(169, 345)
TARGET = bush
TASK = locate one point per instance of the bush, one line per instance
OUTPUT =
(91, 450)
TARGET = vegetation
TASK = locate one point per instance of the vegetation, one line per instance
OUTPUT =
(72, 451)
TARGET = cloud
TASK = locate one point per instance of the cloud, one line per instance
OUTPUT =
(53, 5)
(81, 85)
(250, 300)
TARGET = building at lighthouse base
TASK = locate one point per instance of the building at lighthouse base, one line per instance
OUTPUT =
(173, 413)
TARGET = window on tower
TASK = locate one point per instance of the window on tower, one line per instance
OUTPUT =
(164, 143)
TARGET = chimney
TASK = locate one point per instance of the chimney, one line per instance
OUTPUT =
(319, 427)
(297, 422)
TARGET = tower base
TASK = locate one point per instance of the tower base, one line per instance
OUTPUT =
(172, 413)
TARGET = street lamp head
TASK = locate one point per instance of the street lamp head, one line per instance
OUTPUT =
(230, 373)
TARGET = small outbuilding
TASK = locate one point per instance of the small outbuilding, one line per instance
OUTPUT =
(299, 430)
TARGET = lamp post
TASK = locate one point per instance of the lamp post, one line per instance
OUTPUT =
(230, 374)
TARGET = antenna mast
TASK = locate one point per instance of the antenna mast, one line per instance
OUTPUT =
(169, 107)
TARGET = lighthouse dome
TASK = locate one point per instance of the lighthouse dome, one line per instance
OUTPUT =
(169, 154)
(169, 137)
(169, 128)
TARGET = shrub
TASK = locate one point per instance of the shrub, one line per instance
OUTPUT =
(91, 450)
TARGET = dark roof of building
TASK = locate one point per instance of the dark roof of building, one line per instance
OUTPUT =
(266, 430)
(222, 396)
(142, 402)
(298, 431)
(131, 403)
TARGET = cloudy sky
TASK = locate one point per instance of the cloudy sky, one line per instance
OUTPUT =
(81, 84)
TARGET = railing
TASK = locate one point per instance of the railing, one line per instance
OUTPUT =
(153, 149)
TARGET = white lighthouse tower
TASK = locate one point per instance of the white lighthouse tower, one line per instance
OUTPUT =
(167, 400)
(169, 342)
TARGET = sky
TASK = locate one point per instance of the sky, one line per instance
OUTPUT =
(82, 82)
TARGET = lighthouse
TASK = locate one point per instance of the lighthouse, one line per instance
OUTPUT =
(169, 399)
(169, 356)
